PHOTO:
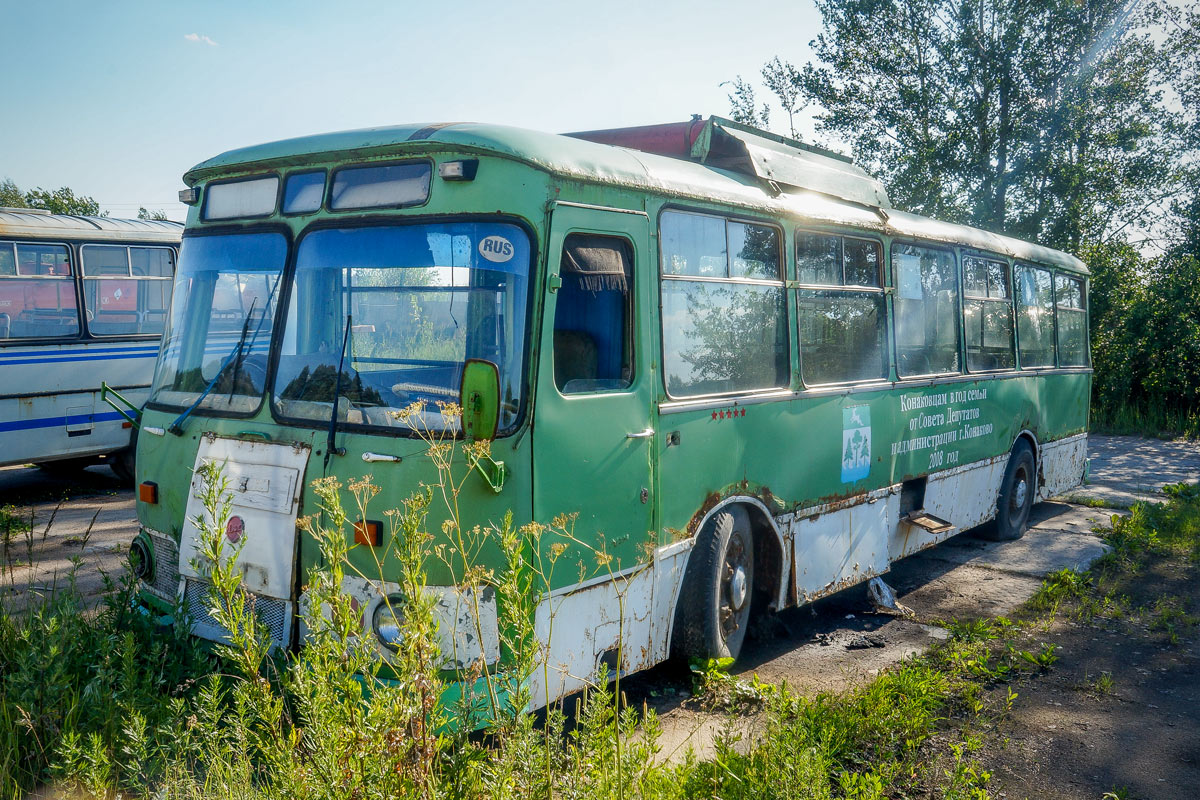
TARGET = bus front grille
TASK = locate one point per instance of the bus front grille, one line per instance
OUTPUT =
(164, 584)
(272, 612)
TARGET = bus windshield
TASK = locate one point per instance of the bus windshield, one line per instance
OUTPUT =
(222, 310)
(420, 300)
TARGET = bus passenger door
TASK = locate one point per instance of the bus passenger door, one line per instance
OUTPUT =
(593, 439)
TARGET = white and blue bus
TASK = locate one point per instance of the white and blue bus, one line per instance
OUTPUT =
(83, 301)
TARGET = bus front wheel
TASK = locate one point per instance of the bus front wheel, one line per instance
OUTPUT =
(713, 612)
(1016, 496)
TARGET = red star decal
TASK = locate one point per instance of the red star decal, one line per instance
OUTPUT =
(714, 415)
(743, 412)
(722, 415)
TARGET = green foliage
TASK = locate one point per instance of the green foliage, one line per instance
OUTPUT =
(62, 201)
(11, 195)
(1043, 120)
(156, 214)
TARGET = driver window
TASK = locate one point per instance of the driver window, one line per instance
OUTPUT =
(593, 320)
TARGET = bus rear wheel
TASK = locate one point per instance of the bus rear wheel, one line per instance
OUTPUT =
(1016, 496)
(713, 612)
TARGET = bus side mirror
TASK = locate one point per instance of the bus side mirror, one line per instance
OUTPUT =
(479, 396)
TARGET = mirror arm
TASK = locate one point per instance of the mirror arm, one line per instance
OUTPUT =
(493, 472)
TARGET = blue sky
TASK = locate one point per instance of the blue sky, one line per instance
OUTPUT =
(117, 99)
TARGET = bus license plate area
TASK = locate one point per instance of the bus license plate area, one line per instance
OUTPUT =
(263, 487)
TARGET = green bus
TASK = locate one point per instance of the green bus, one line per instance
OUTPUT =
(755, 381)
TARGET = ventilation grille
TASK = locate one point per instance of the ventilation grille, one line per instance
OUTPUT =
(275, 614)
(166, 567)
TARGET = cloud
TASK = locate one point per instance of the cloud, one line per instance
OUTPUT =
(200, 38)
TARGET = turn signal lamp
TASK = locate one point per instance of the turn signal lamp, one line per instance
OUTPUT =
(463, 170)
(148, 492)
(368, 532)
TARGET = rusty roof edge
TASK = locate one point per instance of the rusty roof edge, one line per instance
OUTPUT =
(599, 163)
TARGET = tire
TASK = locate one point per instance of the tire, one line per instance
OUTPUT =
(713, 612)
(121, 463)
(1016, 497)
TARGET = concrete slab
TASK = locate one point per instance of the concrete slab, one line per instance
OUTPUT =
(1059, 516)
(1128, 469)
(1038, 552)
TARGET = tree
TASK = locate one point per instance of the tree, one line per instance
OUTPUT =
(1039, 118)
(157, 214)
(62, 201)
(10, 195)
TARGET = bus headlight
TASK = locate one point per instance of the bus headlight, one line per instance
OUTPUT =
(141, 558)
(387, 622)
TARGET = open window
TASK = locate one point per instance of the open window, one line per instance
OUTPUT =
(593, 318)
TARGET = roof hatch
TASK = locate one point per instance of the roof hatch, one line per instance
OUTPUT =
(731, 146)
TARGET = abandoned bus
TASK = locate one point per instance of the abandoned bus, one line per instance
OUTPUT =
(755, 381)
(83, 301)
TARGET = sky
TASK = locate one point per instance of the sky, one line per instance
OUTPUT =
(117, 99)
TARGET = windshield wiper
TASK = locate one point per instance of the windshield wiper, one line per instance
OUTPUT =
(235, 356)
(337, 389)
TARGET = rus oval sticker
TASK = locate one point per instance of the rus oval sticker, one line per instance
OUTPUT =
(496, 248)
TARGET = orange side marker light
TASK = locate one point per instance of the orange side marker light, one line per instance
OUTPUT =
(368, 532)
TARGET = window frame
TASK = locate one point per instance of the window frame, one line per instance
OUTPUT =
(894, 290)
(1083, 310)
(536, 253)
(1009, 265)
(83, 277)
(631, 326)
(781, 284)
(331, 180)
(1030, 265)
(75, 261)
(241, 179)
(882, 290)
(285, 177)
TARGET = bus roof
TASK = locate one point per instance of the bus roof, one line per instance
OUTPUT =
(807, 183)
(29, 223)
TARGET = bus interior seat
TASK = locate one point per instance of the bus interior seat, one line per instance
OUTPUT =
(575, 357)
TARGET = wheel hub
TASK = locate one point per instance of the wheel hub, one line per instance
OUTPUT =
(1020, 491)
(737, 588)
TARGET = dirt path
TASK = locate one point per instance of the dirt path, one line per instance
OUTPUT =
(840, 642)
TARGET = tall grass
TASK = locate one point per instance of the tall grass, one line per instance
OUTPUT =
(116, 703)
(1152, 420)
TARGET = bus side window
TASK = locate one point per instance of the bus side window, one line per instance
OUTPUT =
(127, 289)
(1072, 321)
(841, 309)
(1035, 317)
(927, 316)
(593, 318)
(987, 314)
(37, 292)
(724, 320)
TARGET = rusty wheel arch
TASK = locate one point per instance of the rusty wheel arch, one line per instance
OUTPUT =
(770, 546)
(1031, 439)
